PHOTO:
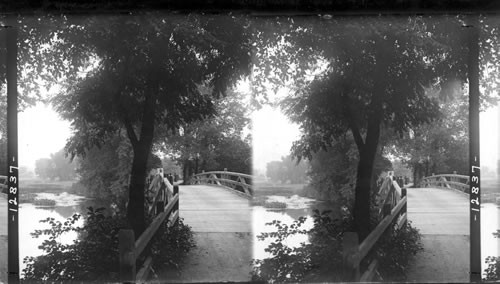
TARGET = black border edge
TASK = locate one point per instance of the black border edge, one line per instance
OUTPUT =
(12, 152)
(474, 154)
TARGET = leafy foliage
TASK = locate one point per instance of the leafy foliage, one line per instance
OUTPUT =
(57, 166)
(104, 172)
(366, 77)
(493, 270)
(441, 147)
(171, 245)
(320, 260)
(215, 143)
(287, 170)
(396, 253)
(333, 172)
(94, 255)
(308, 261)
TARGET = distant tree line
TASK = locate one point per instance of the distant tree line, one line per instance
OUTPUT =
(288, 170)
(57, 167)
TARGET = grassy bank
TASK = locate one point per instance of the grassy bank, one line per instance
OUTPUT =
(39, 185)
(490, 189)
(266, 189)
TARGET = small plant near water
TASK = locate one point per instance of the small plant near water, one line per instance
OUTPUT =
(275, 204)
(320, 260)
(262, 201)
(93, 256)
(32, 198)
(492, 272)
(44, 202)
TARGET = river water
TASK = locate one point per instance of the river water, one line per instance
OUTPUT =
(300, 206)
(30, 215)
(69, 204)
(297, 206)
(490, 217)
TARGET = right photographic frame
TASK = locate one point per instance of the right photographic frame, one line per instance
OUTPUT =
(366, 148)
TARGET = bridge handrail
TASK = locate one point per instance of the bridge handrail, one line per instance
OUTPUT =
(453, 181)
(242, 183)
(130, 248)
(354, 253)
(225, 173)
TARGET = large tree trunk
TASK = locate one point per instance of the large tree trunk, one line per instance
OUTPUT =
(142, 148)
(362, 191)
(135, 209)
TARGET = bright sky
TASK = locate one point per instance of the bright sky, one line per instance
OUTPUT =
(489, 143)
(273, 135)
(41, 132)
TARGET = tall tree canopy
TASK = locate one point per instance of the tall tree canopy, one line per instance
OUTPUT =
(216, 143)
(143, 74)
(361, 75)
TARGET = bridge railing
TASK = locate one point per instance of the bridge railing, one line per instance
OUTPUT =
(236, 181)
(393, 209)
(453, 181)
(165, 207)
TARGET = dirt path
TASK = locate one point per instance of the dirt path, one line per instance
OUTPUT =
(442, 215)
(222, 224)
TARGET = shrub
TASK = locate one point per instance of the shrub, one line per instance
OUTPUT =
(493, 270)
(172, 244)
(94, 255)
(275, 204)
(44, 202)
(396, 252)
(321, 259)
(91, 256)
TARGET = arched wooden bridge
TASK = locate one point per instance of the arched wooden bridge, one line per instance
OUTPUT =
(440, 210)
(216, 206)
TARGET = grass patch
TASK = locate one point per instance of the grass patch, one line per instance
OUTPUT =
(263, 189)
(262, 201)
(275, 204)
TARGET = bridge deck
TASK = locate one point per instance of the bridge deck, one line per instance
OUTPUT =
(221, 220)
(442, 215)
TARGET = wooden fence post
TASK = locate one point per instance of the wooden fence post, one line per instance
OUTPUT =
(386, 210)
(403, 211)
(126, 246)
(176, 206)
(350, 245)
(160, 207)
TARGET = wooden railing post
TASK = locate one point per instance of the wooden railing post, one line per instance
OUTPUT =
(404, 210)
(176, 205)
(386, 210)
(350, 244)
(160, 207)
(126, 246)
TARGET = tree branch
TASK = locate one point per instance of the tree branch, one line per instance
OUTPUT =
(356, 133)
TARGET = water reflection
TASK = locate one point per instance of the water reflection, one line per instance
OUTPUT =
(30, 216)
(490, 246)
(297, 206)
